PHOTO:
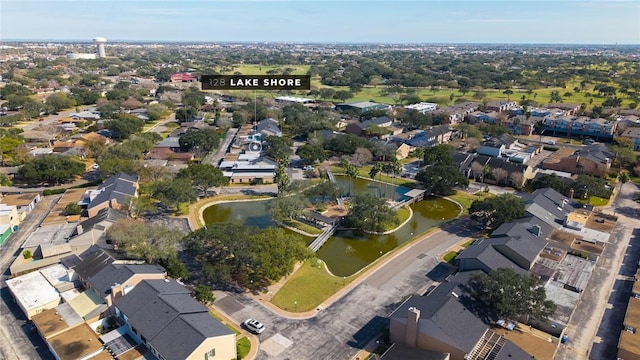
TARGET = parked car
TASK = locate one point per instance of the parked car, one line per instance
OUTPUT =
(254, 326)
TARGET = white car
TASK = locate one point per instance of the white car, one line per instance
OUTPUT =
(254, 325)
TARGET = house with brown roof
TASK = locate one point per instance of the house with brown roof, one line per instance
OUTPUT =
(24, 202)
(592, 160)
(160, 153)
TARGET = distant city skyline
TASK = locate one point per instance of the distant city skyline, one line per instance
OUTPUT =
(313, 21)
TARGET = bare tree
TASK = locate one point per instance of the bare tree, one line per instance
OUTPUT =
(477, 170)
(517, 179)
(500, 175)
(361, 157)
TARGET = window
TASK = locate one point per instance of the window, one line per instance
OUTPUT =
(210, 354)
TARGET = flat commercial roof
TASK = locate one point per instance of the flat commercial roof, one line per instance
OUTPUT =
(76, 343)
(574, 271)
(566, 301)
(32, 290)
(631, 341)
(57, 233)
(19, 199)
(85, 303)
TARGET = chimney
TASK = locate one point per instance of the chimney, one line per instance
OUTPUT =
(71, 275)
(564, 202)
(116, 293)
(411, 331)
(79, 229)
(571, 194)
(536, 230)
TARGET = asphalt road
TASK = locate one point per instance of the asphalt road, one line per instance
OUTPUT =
(16, 341)
(346, 326)
(594, 328)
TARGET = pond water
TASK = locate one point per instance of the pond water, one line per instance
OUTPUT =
(346, 252)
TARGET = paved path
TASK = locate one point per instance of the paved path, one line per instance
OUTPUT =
(224, 146)
(600, 300)
(341, 326)
(16, 342)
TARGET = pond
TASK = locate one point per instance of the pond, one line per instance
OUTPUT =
(345, 253)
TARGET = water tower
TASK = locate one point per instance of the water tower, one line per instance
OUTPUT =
(100, 46)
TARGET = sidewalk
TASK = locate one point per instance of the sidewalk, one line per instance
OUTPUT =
(255, 344)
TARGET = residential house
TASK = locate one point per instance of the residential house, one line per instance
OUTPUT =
(422, 107)
(86, 115)
(162, 315)
(455, 114)
(569, 125)
(36, 291)
(25, 203)
(361, 127)
(462, 161)
(571, 109)
(522, 125)
(500, 106)
(268, 127)
(165, 153)
(548, 205)
(592, 160)
(115, 192)
(115, 280)
(93, 230)
(432, 136)
(362, 106)
(183, 77)
(403, 151)
(171, 142)
(629, 343)
(9, 215)
(497, 145)
(442, 321)
(633, 134)
(251, 168)
(491, 117)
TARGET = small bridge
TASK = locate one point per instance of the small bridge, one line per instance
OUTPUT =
(322, 238)
(413, 196)
(332, 178)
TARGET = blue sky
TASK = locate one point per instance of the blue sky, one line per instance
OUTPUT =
(425, 21)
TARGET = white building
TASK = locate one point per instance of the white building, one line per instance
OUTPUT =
(35, 293)
(83, 56)
(422, 107)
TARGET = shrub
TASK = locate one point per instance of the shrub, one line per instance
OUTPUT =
(73, 209)
(48, 192)
(27, 254)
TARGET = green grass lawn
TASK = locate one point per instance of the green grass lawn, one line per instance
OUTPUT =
(466, 199)
(594, 200)
(256, 69)
(403, 214)
(450, 257)
(308, 297)
(302, 226)
(364, 172)
(243, 346)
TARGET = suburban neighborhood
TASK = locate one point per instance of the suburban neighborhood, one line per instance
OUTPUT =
(416, 202)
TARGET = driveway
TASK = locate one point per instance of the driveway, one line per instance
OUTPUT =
(16, 341)
(594, 328)
(341, 329)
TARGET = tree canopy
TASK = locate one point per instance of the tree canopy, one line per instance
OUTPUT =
(204, 140)
(497, 210)
(143, 240)
(244, 256)
(509, 295)
(370, 213)
(50, 169)
(203, 176)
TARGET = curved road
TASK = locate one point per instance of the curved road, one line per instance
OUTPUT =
(347, 325)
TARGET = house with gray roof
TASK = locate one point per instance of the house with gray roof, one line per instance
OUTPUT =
(162, 315)
(444, 322)
(114, 192)
(114, 280)
(549, 206)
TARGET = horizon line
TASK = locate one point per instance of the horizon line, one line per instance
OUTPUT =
(90, 41)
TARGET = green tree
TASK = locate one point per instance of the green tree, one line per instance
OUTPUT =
(203, 294)
(624, 177)
(438, 155)
(244, 256)
(204, 176)
(281, 179)
(175, 268)
(205, 140)
(288, 207)
(310, 153)
(14, 89)
(508, 92)
(157, 111)
(174, 192)
(370, 213)
(73, 209)
(495, 211)
(509, 295)
(125, 125)
(440, 179)
(50, 169)
(279, 148)
(143, 240)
